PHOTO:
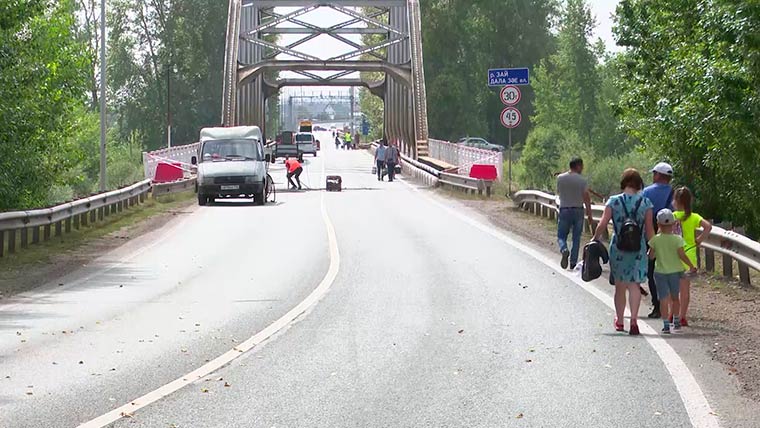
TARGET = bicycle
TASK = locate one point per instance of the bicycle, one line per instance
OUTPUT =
(271, 190)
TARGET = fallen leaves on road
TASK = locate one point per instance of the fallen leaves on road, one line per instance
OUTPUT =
(204, 390)
(227, 384)
(126, 415)
(528, 361)
(519, 416)
(460, 331)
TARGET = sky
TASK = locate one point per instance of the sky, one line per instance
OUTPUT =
(325, 47)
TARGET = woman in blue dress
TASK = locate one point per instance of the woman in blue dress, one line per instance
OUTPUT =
(629, 269)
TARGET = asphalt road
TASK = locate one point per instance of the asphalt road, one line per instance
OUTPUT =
(430, 322)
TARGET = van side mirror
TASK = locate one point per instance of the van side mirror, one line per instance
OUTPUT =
(267, 157)
(194, 160)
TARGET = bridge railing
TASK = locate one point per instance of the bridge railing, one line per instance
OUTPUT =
(732, 246)
(176, 153)
(464, 157)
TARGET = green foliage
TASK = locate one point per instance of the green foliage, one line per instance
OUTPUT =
(43, 73)
(462, 39)
(691, 92)
(151, 43)
(541, 157)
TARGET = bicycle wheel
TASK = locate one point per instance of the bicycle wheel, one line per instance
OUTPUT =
(271, 190)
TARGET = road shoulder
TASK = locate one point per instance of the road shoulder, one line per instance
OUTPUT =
(720, 348)
(45, 263)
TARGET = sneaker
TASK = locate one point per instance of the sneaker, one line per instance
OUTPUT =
(677, 327)
(655, 314)
(684, 323)
(563, 262)
(634, 331)
(572, 266)
(665, 330)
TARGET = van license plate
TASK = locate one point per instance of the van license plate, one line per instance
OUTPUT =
(231, 187)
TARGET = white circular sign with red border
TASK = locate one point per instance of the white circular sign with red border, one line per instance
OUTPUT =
(511, 117)
(510, 95)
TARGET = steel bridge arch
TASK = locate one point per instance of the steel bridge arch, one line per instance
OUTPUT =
(249, 55)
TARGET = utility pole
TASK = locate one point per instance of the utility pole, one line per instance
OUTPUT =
(168, 105)
(103, 123)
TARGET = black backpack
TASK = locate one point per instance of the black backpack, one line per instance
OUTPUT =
(629, 235)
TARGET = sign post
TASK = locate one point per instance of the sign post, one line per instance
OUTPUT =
(510, 117)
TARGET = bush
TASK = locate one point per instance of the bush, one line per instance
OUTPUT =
(540, 158)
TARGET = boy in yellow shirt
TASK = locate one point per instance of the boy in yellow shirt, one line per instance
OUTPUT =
(668, 251)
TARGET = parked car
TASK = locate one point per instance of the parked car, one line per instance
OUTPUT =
(480, 143)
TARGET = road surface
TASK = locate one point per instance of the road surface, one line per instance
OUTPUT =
(421, 319)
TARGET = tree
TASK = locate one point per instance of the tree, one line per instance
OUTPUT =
(43, 75)
(462, 39)
(691, 93)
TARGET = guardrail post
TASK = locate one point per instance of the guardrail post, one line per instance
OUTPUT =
(58, 228)
(68, 225)
(709, 260)
(744, 274)
(728, 266)
(46, 232)
(2, 243)
(24, 237)
(142, 197)
(552, 214)
(101, 213)
(12, 241)
(36, 235)
(119, 206)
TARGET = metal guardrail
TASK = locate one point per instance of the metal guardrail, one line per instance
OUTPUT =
(467, 184)
(412, 168)
(62, 218)
(17, 226)
(160, 189)
(731, 245)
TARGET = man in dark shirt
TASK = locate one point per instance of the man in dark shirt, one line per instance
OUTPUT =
(660, 193)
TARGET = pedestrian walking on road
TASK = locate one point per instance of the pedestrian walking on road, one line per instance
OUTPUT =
(667, 249)
(380, 159)
(347, 139)
(294, 169)
(391, 160)
(660, 194)
(689, 223)
(337, 141)
(572, 189)
(631, 215)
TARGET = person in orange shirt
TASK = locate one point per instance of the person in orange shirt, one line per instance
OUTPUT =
(294, 169)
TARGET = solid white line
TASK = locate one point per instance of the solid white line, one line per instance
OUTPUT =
(697, 407)
(215, 364)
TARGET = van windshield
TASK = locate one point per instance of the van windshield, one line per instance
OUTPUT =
(304, 137)
(220, 150)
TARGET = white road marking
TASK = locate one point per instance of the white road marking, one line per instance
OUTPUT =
(697, 407)
(215, 364)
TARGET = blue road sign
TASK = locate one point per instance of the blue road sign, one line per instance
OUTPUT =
(508, 76)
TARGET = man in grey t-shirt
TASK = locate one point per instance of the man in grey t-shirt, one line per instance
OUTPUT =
(572, 189)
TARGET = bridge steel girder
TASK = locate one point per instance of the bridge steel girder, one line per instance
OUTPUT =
(248, 57)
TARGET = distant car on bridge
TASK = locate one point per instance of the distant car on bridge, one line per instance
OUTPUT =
(307, 144)
(479, 143)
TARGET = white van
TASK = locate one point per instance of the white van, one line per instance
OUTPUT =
(231, 164)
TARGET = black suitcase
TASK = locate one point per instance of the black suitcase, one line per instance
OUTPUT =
(334, 183)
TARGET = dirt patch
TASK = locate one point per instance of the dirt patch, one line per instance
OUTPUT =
(726, 314)
(44, 263)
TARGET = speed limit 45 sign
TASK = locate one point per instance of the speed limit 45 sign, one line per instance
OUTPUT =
(511, 117)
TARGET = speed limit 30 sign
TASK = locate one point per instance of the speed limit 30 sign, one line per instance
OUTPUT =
(510, 95)
(511, 117)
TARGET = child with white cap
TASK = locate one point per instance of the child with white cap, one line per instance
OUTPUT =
(668, 251)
